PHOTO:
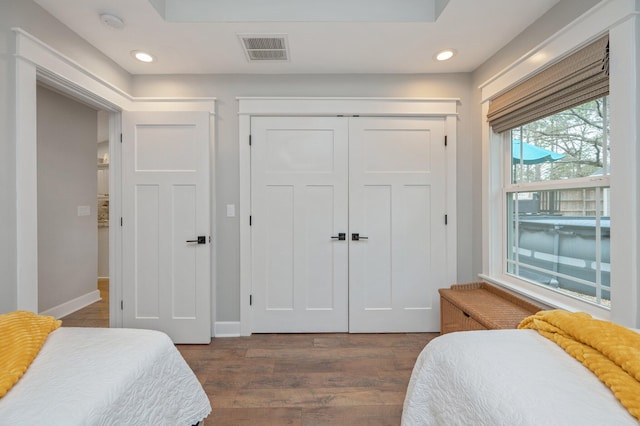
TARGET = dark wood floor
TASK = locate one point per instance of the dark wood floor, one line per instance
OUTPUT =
(297, 379)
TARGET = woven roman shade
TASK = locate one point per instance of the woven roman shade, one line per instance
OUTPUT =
(581, 77)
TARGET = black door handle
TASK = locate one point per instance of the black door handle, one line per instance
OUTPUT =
(341, 236)
(201, 240)
(357, 237)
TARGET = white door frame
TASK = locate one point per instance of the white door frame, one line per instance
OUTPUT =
(37, 61)
(378, 107)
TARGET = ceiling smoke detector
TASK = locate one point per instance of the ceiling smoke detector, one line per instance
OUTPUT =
(111, 21)
(265, 47)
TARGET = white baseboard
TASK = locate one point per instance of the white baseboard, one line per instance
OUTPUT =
(226, 329)
(73, 305)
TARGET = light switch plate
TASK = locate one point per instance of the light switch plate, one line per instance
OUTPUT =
(84, 210)
(231, 210)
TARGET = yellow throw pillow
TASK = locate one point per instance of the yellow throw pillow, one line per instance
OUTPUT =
(22, 334)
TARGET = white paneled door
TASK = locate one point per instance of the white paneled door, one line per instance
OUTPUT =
(396, 207)
(377, 181)
(166, 224)
(299, 181)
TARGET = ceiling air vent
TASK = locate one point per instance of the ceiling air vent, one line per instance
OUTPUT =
(265, 47)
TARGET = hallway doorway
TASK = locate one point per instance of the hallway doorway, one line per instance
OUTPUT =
(72, 203)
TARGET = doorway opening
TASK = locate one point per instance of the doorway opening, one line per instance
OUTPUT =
(73, 206)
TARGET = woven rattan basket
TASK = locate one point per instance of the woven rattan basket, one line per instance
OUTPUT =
(480, 306)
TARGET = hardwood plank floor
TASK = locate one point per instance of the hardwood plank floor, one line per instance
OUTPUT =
(297, 379)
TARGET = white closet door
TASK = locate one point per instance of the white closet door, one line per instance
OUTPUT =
(299, 186)
(397, 202)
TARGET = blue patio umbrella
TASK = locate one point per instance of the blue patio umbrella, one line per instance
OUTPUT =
(532, 154)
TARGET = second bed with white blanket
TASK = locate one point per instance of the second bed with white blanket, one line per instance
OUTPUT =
(506, 377)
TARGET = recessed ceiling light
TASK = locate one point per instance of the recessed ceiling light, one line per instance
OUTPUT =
(142, 56)
(111, 21)
(445, 55)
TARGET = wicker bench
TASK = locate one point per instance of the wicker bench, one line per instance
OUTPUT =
(480, 306)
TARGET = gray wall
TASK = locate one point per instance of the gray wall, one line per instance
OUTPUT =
(67, 243)
(32, 18)
(227, 87)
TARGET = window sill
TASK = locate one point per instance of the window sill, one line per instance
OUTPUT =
(548, 298)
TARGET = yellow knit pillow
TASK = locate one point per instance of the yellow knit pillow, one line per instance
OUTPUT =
(22, 334)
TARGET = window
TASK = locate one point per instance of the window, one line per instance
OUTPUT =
(619, 20)
(557, 202)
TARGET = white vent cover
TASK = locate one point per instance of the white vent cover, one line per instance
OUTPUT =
(265, 47)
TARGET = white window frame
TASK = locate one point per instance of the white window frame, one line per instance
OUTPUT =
(621, 19)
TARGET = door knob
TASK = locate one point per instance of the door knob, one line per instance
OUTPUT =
(357, 237)
(341, 237)
(201, 240)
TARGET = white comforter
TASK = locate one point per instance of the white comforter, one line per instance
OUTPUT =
(90, 376)
(506, 377)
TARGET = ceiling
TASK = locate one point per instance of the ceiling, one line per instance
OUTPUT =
(363, 36)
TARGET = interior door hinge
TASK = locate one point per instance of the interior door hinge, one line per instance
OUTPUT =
(249, 140)
(445, 140)
(120, 221)
(122, 305)
(120, 137)
(445, 219)
(250, 220)
(251, 300)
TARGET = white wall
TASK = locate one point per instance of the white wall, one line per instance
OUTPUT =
(67, 243)
(227, 87)
(32, 18)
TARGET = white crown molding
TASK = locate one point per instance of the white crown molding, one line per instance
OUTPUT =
(347, 106)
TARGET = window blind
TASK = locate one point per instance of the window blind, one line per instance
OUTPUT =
(580, 77)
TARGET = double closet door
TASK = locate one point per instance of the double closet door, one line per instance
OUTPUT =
(348, 223)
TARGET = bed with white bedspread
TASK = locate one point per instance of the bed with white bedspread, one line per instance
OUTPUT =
(506, 377)
(93, 376)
